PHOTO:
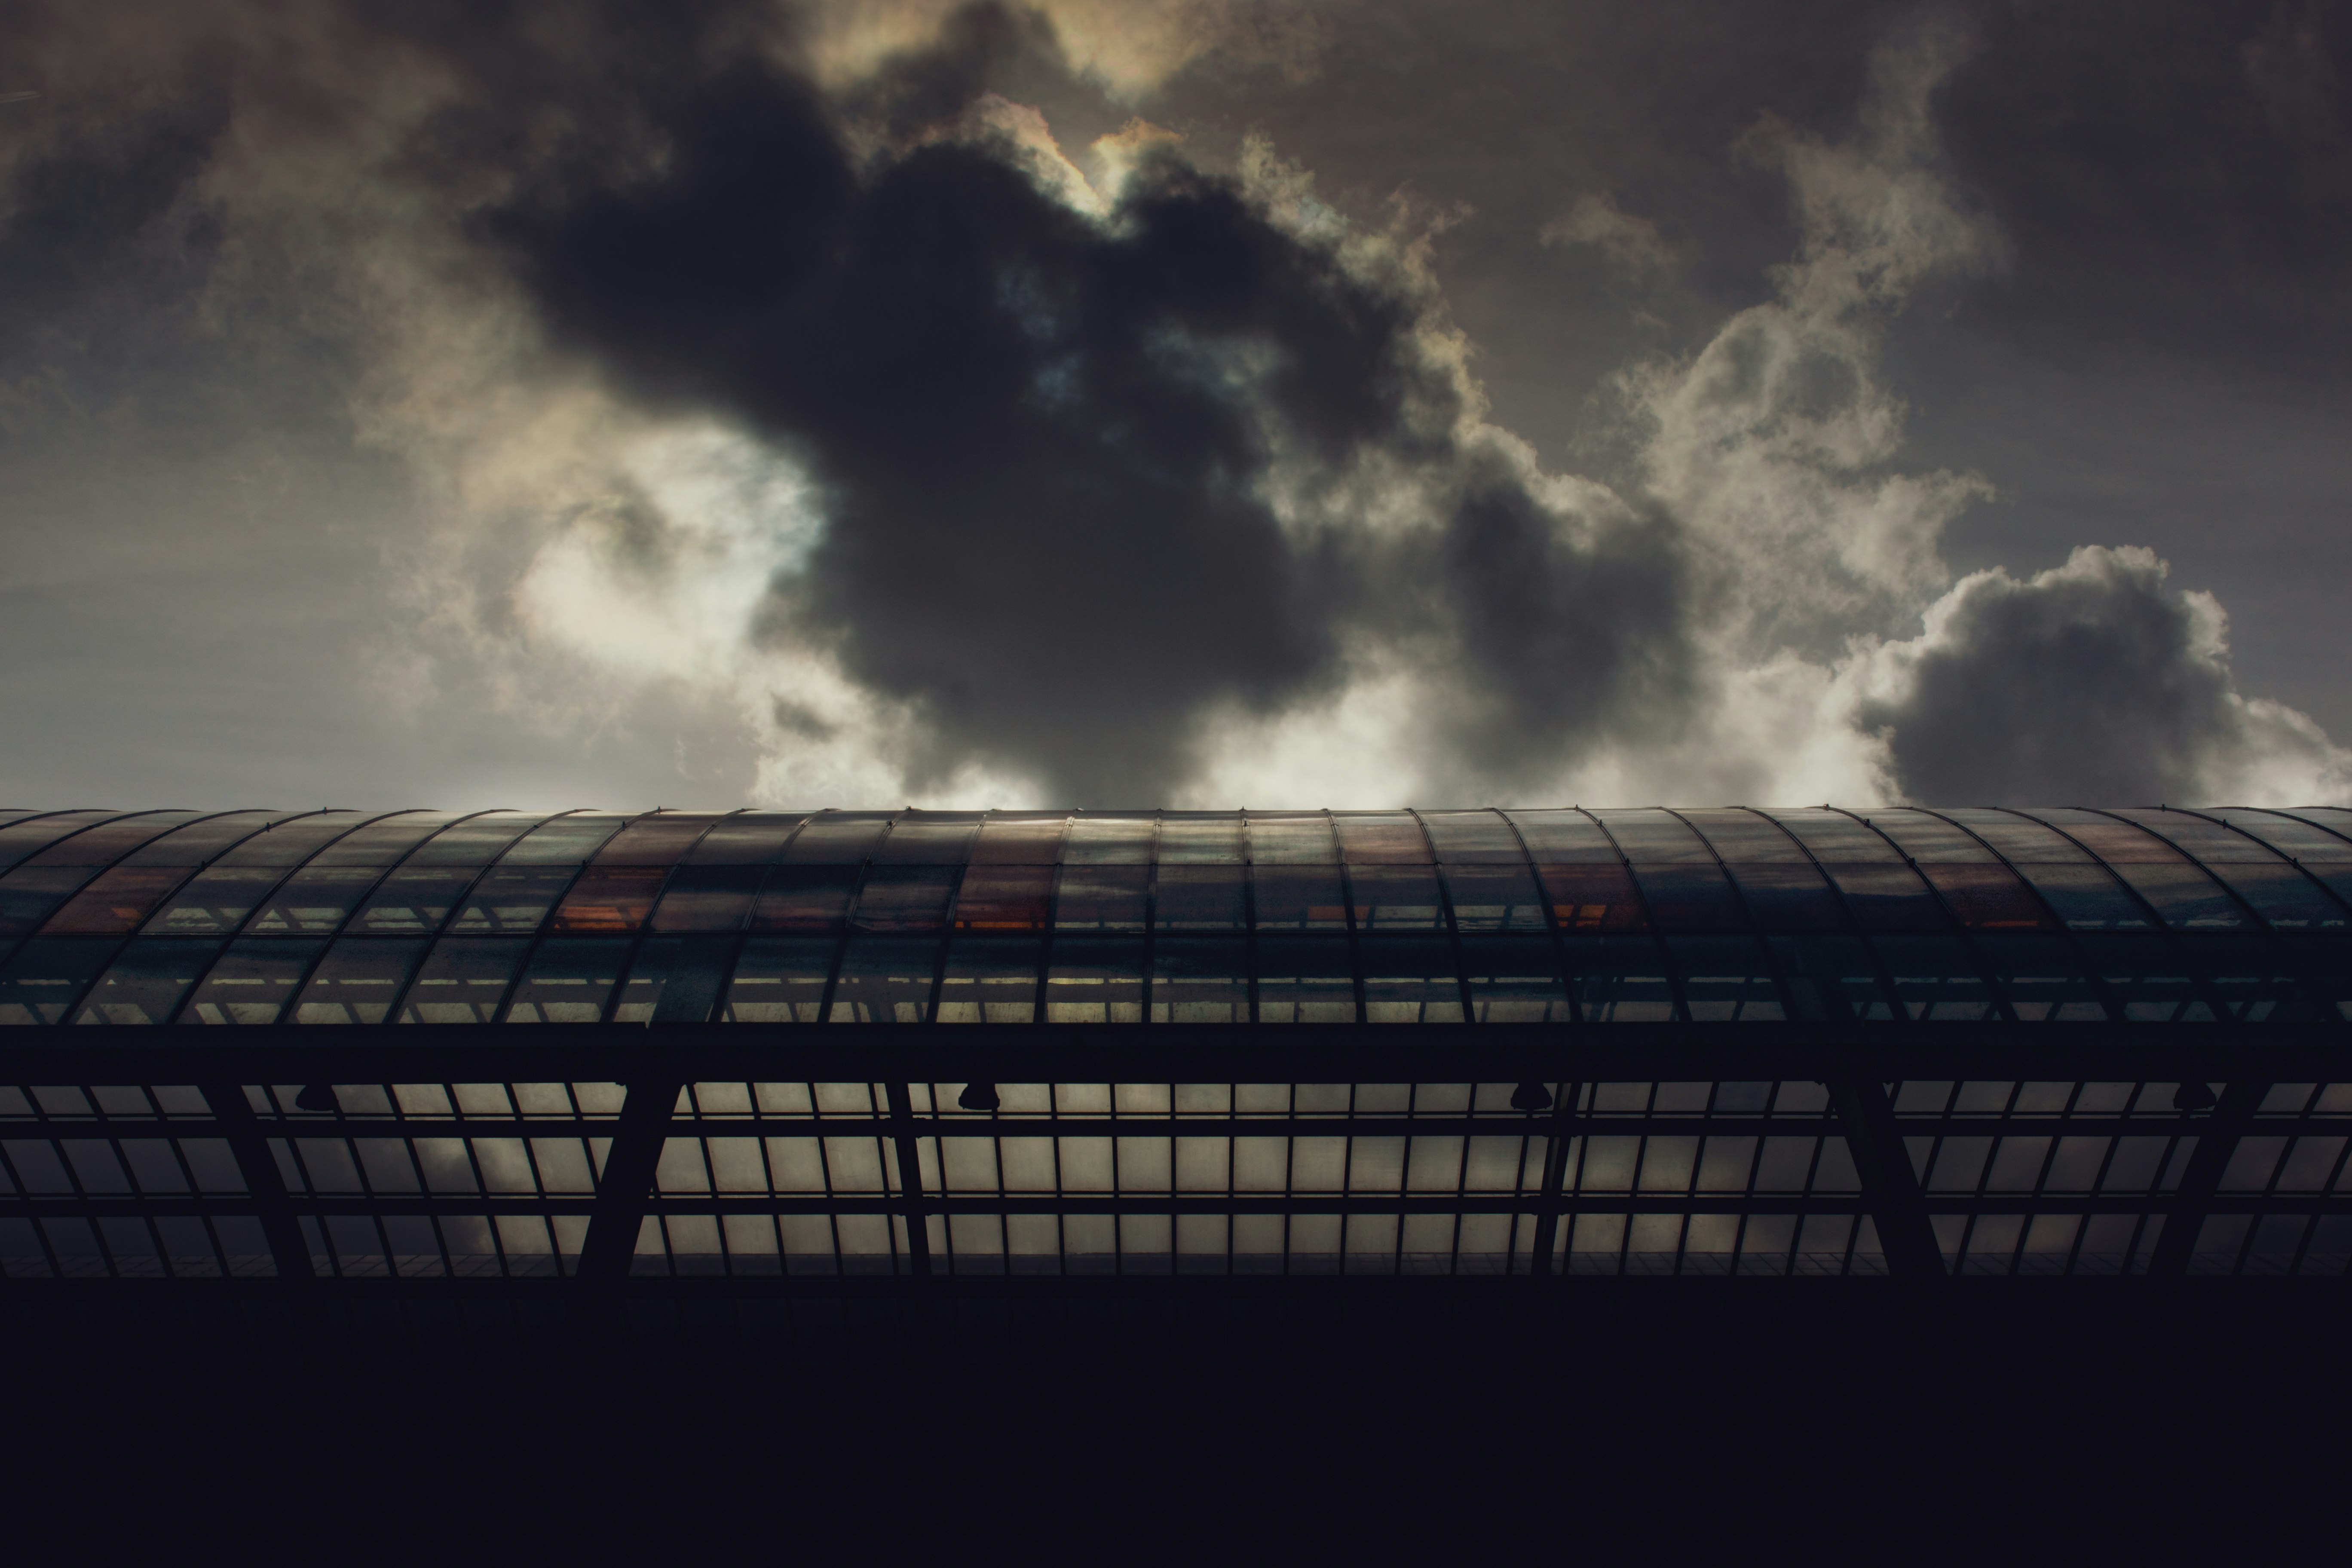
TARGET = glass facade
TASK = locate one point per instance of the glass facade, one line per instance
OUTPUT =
(1718, 926)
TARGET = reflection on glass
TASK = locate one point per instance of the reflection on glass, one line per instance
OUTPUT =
(885, 980)
(46, 976)
(2254, 975)
(1410, 981)
(1513, 981)
(1095, 980)
(746, 838)
(147, 983)
(2086, 897)
(779, 980)
(1299, 898)
(1618, 979)
(1790, 896)
(1305, 980)
(1200, 979)
(2041, 977)
(1473, 838)
(1934, 976)
(568, 981)
(414, 901)
(1833, 978)
(29, 893)
(1004, 898)
(316, 898)
(1495, 898)
(1108, 841)
(1591, 896)
(1396, 897)
(512, 899)
(2282, 894)
(904, 898)
(116, 900)
(1691, 897)
(2146, 976)
(1986, 895)
(1101, 897)
(991, 980)
(933, 838)
(1381, 837)
(251, 983)
(1725, 979)
(1648, 836)
(675, 979)
(707, 898)
(358, 981)
(2184, 898)
(609, 899)
(1199, 898)
(1014, 840)
(463, 981)
(1887, 897)
(1834, 836)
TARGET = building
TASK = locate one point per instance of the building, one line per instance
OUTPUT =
(405, 1068)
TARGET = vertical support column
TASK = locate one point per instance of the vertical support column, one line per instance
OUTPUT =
(1889, 1186)
(910, 1180)
(1555, 1177)
(627, 1185)
(2217, 1140)
(290, 1250)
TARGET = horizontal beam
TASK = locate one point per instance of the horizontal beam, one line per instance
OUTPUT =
(394, 1204)
(1264, 1053)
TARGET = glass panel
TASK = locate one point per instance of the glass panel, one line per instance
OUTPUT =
(358, 981)
(2185, 898)
(463, 981)
(251, 983)
(2290, 835)
(29, 893)
(1095, 980)
(476, 841)
(563, 840)
(1396, 897)
(932, 838)
(1409, 981)
(47, 977)
(1298, 898)
(886, 980)
(20, 840)
(1012, 841)
(568, 981)
(2251, 972)
(2040, 976)
(2282, 894)
(108, 842)
(1689, 898)
(1648, 835)
(117, 900)
(1199, 898)
(2015, 837)
(1986, 895)
(746, 838)
(1200, 979)
(1208, 838)
(1725, 978)
(1292, 840)
(1594, 897)
(412, 900)
(1304, 980)
(147, 983)
(512, 899)
(675, 979)
(1742, 835)
(904, 898)
(991, 980)
(1924, 837)
(1494, 897)
(658, 840)
(2146, 978)
(1473, 838)
(1004, 898)
(1834, 836)
(1788, 896)
(706, 898)
(1101, 897)
(1565, 837)
(779, 980)
(1888, 898)
(293, 841)
(837, 838)
(1618, 979)
(200, 841)
(314, 899)
(1832, 977)
(2201, 839)
(2116, 843)
(2086, 897)
(217, 900)
(1513, 981)
(1935, 978)
(609, 899)
(804, 898)
(378, 843)
(1108, 841)
(1381, 837)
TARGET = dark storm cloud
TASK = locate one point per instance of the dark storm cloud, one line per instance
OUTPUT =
(2094, 682)
(1044, 439)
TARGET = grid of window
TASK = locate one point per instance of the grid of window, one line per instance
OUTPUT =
(1402, 917)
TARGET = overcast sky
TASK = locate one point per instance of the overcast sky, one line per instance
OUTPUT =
(1114, 404)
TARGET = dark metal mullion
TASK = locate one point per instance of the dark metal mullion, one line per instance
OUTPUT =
(1355, 967)
(456, 906)
(2218, 1138)
(632, 1165)
(1885, 975)
(2090, 974)
(637, 938)
(1046, 950)
(1890, 1189)
(1550, 920)
(947, 937)
(1679, 1004)
(1754, 930)
(1151, 939)
(1249, 943)
(2190, 966)
(326, 941)
(910, 1180)
(1453, 926)
(538, 934)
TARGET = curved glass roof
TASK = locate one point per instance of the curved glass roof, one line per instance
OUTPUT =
(1383, 917)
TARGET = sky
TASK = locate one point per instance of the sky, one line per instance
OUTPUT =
(1207, 402)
